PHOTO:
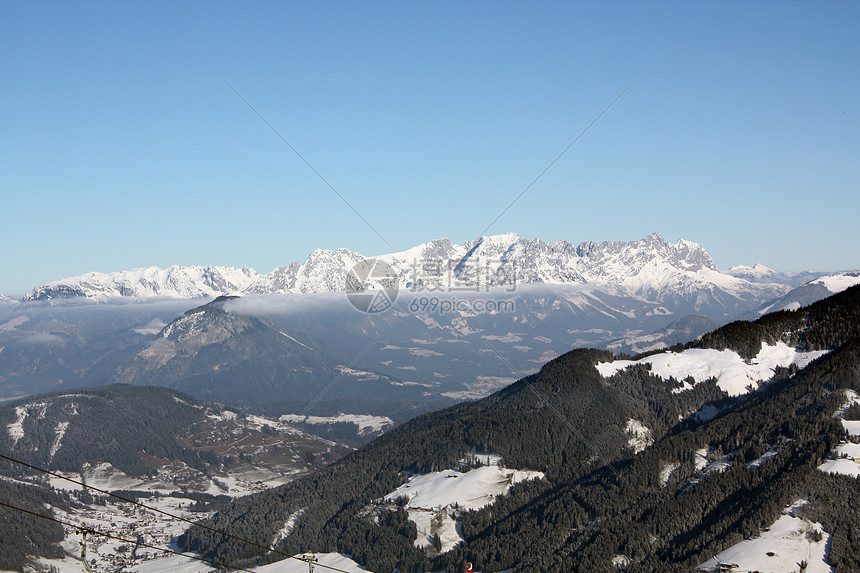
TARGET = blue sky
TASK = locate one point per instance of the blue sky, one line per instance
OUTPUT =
(122, 146)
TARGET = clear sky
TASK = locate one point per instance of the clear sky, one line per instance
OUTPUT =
(122, 146)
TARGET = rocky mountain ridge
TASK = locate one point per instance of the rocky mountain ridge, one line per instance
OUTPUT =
(652, 267)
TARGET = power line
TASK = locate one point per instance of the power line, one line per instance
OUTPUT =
(318, 174)
(321, 394)
(93, 531)
(559, 156)
(165, 513)
(555, 411)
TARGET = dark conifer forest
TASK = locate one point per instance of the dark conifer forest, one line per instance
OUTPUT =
(598, 499)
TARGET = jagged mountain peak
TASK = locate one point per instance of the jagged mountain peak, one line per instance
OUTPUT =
(757, 270)
(651, 266)
(175, 281)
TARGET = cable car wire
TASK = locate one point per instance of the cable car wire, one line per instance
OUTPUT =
(162, 512)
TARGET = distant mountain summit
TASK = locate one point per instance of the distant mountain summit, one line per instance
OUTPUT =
(810, 292)
(652, 267)
(507, 259)
(217, 354)
(759, 273)
(175, 281)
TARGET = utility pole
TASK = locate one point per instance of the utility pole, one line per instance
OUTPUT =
(310, 559)
(84, 551)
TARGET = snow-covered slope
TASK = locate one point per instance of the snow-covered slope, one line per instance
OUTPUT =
(811, 292)
(651, 267)
(838, 282)
(789, 541)
(760, 273)
(5, 298)
(756, 272)
(436, 501)
(176, 281)
(733, 374)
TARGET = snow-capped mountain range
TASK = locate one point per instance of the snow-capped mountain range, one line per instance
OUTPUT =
(175, 281)
(651, 267)
(760, 273)
(812, 291)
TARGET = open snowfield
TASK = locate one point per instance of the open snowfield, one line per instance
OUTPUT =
(732, 372)
(838, 283)
(106, 477)
(841, 466)
(852, 427)
(778, 550)
(435, 499)
(365, 422)
(469, 490)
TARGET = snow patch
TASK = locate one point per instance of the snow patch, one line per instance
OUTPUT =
(288, 527)
(705, 465)
(768, 455)
(59, 432)
(701, 458)
(838, 283)
(16, 428)
(789, 541)
(366, 423)
(638, 435)
(845, 458)
(154, 326)
(707, 412)
(666, 469)
(435, 499)
(733, 374)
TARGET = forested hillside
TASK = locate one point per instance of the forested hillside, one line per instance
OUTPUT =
(149, 431)
(152, 439)
(598, 501)
(23, 534)
(114, 423)
(827, 324)
(627, 510)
